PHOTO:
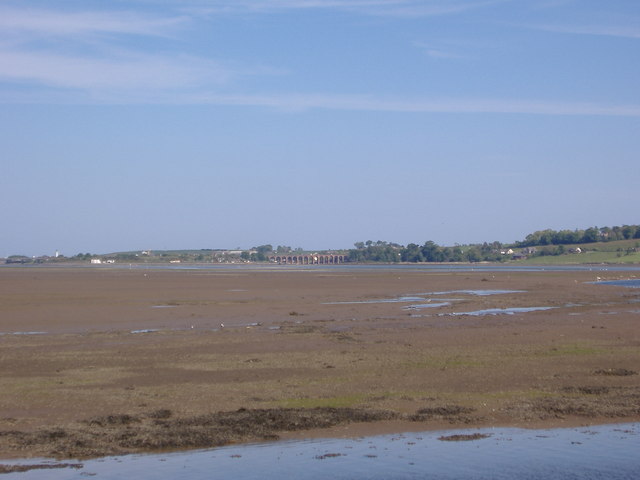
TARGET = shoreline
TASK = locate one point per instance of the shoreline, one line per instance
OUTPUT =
(114, 370)
(348, 430)
(516, 266)
(397, 427)
(618, 436)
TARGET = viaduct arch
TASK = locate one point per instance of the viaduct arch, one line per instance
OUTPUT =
(308, 259)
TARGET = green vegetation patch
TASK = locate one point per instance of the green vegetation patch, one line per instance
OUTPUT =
(330, 402)
(571, 349)
(443, 363)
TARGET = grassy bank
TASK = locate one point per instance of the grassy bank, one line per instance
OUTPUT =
(617, 252)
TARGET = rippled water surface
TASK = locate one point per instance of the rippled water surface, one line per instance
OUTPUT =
(632, 283)
(497, 311)
(479, 293)
(605, 452)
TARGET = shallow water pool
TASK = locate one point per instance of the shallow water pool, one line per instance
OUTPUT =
(497, 311)
(631, 283)
(590, 453)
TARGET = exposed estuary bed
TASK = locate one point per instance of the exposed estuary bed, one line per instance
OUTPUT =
(605, 452)
(102, 362)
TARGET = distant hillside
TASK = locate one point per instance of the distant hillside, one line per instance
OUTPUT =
(573, 237)
(591, 245)
(617, 251)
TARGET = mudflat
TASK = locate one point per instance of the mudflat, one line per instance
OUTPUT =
(97, 361)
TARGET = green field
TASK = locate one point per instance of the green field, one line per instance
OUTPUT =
(620, 251)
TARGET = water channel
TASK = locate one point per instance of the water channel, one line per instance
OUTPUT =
(589, 453)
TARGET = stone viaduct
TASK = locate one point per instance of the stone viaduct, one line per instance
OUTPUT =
(308, 259)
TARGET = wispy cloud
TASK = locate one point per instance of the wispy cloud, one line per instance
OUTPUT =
(48, 22)
(82, 52)
(298, 103)
(89, 69)
(546, 4)
(624, 31)
(302, 102)
(437, 51)
(398, 8)
(428, 9)
(133, 71)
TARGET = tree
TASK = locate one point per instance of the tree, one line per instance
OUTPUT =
(379, 251)
(591, 235)
(431, 252)
(412, 253)
(628, 231)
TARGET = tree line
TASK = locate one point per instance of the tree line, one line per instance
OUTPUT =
(549, 242)
(429, 252)
(381, 251)
(590, 235)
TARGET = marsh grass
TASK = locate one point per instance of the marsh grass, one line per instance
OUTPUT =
(117, 434)
(200, 302)
(299, 328)
(570, 349)
(444, 363)
(616, 372)
(463, 437)
(331, 402)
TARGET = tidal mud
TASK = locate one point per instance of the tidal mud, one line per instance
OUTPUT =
(253, 355)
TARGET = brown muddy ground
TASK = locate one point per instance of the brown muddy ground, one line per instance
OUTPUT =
(137, 360)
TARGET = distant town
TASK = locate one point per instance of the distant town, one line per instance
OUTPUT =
(619, 244)
(262, 254)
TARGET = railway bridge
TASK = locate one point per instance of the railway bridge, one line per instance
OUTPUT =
(308, 259)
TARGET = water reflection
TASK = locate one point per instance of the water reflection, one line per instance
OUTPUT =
(479, 293)
(351, 267)
(23, 333)
(497, 311)
(604, 452)
(631, 283)
(427, 305)
(378, 300)
(421, 297)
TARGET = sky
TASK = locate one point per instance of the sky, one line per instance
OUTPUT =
(179, 124)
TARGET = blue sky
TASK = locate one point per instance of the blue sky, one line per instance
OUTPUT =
(165, 124)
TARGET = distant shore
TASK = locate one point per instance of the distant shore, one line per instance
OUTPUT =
(101, 361)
